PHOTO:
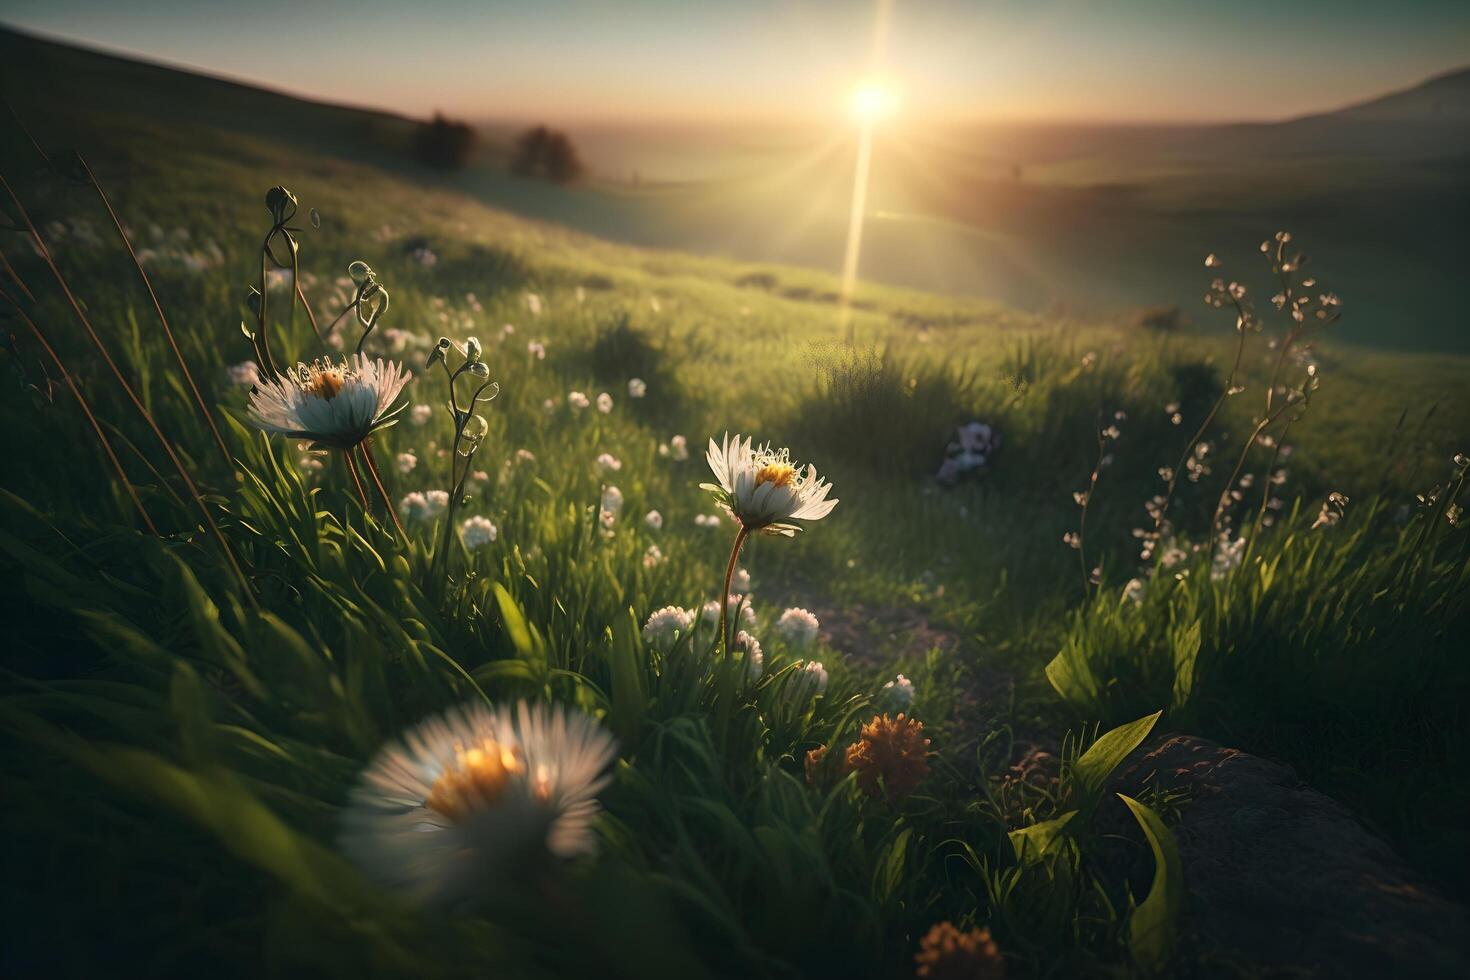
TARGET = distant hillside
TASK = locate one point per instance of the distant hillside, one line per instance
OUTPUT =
(1442, 99)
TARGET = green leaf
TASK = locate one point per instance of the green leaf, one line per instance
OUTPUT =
(629, 702)
(1090, 773)
(1154, 925)
(1186, 653)
(515, 623)
(1032, 843)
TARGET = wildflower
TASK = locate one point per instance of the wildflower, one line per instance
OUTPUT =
(946, 953)
(612, 504)
(577, 401)
(604, 403)
(334, 405)
(899, 691)
(652, 556)
(763, 490)
(1332, 510)
(797, 627)
(706, 520)
(536, 350)
(525, 456)
(244, 373)
(1135, 590)
(477, 532)
(309, 464)
(812, 764)
(464, 799)
(664, 627)
(654, 520)
(1227, 557)
(419, 414)
(637, 388)
(679, 448)
(813, 677)
(533, 303)
(740, 581)
(423, 507)
(406, 462)
(750, 649)
(608, 463)
(890, 757)
(709, 614)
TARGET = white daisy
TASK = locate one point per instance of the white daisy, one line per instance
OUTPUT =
(798, 627)
(463, 801)
(763, 489)
(334, 405)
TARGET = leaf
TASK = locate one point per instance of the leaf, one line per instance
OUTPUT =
(890, 871)
(629, 701)
(1090, 773)
(1154, 925)
(1186, 653)
(515, 623)
(1034, 842)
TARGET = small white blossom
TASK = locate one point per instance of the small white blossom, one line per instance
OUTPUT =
(654, 520)
(637, 388)
(798, 627)
(604, 403)
(406, 462)
(899, 692)
(477, 532)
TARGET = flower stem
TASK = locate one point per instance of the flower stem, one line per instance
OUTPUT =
(725, 592)
(367, 454)
(357, 481)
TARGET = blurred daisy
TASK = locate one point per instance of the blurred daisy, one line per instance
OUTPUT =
(637, 388)
(244, 373)
(763, 489)
(654, 520)
(604, 403)
(337, 405)
(797, 627)
(466, 802)
(664, 627)
(477, 532)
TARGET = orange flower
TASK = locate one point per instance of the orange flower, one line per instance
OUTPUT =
(813, 765)
(890, 757)
(946, 953)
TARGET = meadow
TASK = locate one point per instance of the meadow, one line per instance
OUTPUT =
(217, 634)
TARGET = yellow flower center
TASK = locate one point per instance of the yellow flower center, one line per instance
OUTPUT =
(325, 382)
(478, 777)
(781, 474)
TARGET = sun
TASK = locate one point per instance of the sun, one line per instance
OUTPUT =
(871, 101)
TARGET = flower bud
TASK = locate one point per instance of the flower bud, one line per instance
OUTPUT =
(360, 271)
(480, 369)
(472, 349)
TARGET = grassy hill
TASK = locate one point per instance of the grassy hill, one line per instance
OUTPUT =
(167, 723)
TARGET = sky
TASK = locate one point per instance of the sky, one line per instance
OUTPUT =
(665, 60)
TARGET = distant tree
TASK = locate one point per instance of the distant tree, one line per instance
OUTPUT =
(444, 144)
(548, 153)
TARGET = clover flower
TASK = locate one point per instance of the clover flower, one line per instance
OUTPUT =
(946, 953)
(679, 448)
(797, 627)
(812, 677)
(665, 626)
(750, 650)
(899, 692)
(577, 401)
(608, 463)
(604, 403)
(406, 462)
(637, 388)
(654, 520)
(477, 531)
(652, 556)
(763, 490)
(890, 757)
(333, 404)
(423, 507)
(244, 373)
(420, 414)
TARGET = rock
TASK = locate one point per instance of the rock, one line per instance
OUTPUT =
(1283, 882)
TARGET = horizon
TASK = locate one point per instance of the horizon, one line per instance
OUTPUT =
(936, 78)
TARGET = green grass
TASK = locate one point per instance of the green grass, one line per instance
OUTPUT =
(177, 758)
